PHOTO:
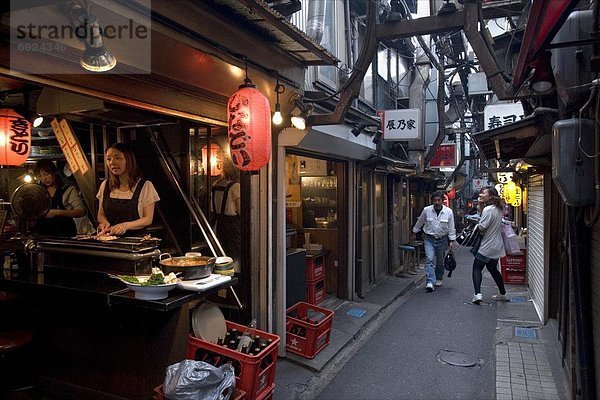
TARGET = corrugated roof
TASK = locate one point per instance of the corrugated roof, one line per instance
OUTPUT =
(257, 16)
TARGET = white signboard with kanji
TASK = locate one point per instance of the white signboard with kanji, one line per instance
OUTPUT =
(497, 115)
(401, 124)
(479, 184)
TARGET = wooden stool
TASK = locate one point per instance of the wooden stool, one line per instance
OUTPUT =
(407, 253)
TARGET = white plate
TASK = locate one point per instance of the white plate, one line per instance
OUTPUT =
(223, 260)
(208, 322)
(154, 292)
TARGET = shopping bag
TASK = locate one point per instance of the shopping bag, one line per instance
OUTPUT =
(511, 244)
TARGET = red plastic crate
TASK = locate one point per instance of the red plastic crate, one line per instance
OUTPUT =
(236, 395)
(268, 394)
(317, 335)
(514, 276)
(252, 378)
(316, 291)
(315, 269)
(515, 262)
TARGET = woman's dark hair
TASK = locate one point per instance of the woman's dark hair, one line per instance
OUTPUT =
(495, 199)
(133, 171)
(50, 168)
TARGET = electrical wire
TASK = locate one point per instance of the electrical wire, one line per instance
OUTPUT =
(586, 105)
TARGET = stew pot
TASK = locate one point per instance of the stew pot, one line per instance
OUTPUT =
(196, 267)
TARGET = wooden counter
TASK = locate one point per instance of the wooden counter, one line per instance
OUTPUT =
(93, 339)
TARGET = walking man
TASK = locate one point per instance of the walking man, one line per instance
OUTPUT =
(437, 223)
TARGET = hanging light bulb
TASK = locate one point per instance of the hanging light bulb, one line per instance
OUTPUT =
(277, 118)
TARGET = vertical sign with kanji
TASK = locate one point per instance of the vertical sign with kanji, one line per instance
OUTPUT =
(497, 115)
(401, 124)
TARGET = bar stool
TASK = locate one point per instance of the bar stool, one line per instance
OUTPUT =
(407, 253)
(418, 245)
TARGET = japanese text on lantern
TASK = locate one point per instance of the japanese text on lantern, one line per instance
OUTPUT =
(15, 138)
(238, 120)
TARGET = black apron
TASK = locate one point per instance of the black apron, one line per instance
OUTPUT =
(123, 210)
(57, 226)
(227, 226)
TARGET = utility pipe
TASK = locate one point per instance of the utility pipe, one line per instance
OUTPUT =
(583, 305)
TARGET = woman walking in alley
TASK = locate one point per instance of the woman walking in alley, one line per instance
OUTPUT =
(492, 247)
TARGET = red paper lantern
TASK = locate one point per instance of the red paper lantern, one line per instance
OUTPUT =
(216, 159)
(452, 194)
(249, 125)
(15, 138)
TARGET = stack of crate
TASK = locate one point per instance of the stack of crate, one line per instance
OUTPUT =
(316, 290)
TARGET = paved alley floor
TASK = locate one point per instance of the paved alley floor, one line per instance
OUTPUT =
(420, 345)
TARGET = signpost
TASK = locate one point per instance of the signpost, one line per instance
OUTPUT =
(497, 115)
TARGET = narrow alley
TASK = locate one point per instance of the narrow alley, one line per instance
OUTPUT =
(440, 346)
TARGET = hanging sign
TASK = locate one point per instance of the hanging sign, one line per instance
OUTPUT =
(518, 197)
(479, 184)
(445, 156)
(401, 124)
(497, 115)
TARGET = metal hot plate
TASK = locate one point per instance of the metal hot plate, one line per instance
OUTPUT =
(122, 244)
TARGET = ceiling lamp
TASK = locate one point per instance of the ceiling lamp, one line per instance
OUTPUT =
(15, 138)
(249, 127)
(95, 57)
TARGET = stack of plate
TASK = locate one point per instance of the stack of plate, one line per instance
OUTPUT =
(208, 322)
(224, 266)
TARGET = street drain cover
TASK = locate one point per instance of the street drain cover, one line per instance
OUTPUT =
(526, 333)
(517, 299)
(457, 358)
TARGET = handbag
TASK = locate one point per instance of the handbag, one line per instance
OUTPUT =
(476, 243)
(449, 263)
(468, 236)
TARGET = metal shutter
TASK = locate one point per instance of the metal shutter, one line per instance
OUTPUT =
(536, 255)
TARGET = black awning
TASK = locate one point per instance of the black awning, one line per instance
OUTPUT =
(518, 139)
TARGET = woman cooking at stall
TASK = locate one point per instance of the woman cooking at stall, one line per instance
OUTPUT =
(66, 202)
(126, 199)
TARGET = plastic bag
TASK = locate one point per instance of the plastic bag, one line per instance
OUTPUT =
(197, 380)
(511, 244)
(449, 263)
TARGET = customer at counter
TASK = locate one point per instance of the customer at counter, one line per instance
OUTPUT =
(66, 202)
(126, 199)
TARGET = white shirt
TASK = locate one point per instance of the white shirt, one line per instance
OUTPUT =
(490, 226)
(148, 195)
(435, 224)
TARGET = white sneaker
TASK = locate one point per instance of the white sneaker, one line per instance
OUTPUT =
(477, 298)
(438, 283)
(429, 287)
(500, 297)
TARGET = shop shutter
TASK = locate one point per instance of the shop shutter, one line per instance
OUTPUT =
(536, 255)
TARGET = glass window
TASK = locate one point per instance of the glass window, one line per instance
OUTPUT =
(394, 67)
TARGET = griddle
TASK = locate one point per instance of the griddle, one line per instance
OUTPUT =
(123, 244)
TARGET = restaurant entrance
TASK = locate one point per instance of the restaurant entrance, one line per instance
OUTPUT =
(316, 209)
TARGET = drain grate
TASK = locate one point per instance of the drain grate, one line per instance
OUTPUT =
(457, 358)
(526, 333)
(517, 299)
(356, 312)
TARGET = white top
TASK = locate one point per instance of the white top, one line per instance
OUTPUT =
(233, 197)
(435, 224)
(148, 195)
(490, 226)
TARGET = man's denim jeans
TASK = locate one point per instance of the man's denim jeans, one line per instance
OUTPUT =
(435, 249)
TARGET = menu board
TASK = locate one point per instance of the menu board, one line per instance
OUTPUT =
(70, 146)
